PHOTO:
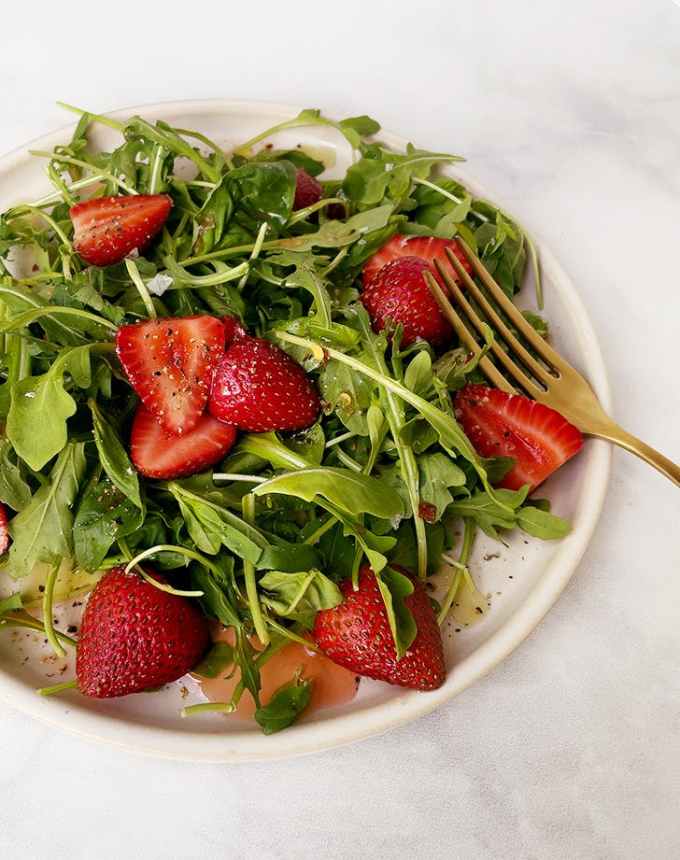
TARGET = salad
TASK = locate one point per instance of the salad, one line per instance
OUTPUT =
(229, 402)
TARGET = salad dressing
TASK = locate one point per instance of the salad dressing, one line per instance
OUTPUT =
(331, 684)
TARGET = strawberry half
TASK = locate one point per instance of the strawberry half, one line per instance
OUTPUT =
(135, 637)
(427, 248)
(356, 634)
(170, 363)
(156, 453)
(258, 387)
(509, 425)
(398, 293)
(307, 190)
(106, 229)
(5, 539)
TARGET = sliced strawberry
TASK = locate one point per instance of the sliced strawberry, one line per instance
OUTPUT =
(135, 637)
(258, 387)
(356, 634)
(5, 539)
(170, 363)
(398, 293)
(427, 248)
(158, 454)
(307, 190)
(505, 425)
(106, 229)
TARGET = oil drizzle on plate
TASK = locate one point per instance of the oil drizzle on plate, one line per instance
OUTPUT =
(331, 684)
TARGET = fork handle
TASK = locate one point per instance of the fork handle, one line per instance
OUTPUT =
(613, 433)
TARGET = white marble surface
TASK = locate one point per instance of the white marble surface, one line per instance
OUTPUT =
(571, 111)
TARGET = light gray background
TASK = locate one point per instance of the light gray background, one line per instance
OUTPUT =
(571, 112)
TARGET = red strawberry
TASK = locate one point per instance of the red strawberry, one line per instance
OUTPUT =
(258, 387)
(233, 328)
(169, 363)
(106, 229)
(158, 454)
(307, 190)
(398, 292)
(5, 539)
(428, 248)
(499, 424)
(356, 634)
(134, 637)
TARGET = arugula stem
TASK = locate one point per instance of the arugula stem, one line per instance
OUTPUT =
(136, 279)
(18, 213)
(318, 533)
(343, 437)
(8, 620)
(48, 600)
(95, 117)
(248, 503)
(303, 214)
(235, 476)
(85, 165)
(57, 688)
(460, 566)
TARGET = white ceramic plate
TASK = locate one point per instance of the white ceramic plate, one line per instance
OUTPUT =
(524, 581)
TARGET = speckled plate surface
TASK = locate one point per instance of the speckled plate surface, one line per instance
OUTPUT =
(522, 580)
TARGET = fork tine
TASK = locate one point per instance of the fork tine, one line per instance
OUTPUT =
(511, 366)
(538, 370)
(487, 367)
(546, 352)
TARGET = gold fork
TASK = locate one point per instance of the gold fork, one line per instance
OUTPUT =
(547, 378)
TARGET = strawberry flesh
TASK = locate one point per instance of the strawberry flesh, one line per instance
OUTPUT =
(107, 229)
(307, 190)
(135, 637)
(258, 387)
(5, 539)
(156, 453)
(427, 248)
(505, 425)
(398, 293)
(356, 634)
(170, 362)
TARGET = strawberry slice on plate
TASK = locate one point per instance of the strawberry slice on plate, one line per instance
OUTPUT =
(135, 637)
(427, 248)
(538, 438)
(156, 453)
(356, 634)
(5, 539)
(170, 362)
(106, 229)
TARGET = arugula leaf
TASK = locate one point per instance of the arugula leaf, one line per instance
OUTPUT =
(542, 524)
(14, 491)
(43, 530)
(347, 490)
(114, 457)
(216, 661)
(103, 515)
(36, 423)
(437, 473)
(264, 189)
(10, 604)
(347, 393)
(306, 591)
(395, 587)
(285, 706)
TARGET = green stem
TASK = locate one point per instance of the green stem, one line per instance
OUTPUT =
(136, 278)
(32, 624)
(235, 476)
(57, 688)
(48, 600)
(248, 503)
(85, 165)
(318, 533)
(18, 213)
(104, 120)
(469, 532)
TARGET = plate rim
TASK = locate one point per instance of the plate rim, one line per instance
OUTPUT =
(307, 738)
